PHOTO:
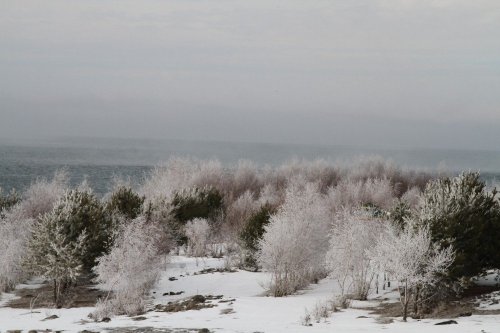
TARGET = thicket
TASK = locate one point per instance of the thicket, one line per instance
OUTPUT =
(300, 221)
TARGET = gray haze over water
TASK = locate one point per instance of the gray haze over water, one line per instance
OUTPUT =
(399, 73)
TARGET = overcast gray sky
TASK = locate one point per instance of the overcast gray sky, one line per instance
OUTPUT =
(420, 73)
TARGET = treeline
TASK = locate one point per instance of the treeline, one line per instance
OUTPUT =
(362, 223)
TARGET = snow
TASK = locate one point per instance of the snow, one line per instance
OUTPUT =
(252, 311)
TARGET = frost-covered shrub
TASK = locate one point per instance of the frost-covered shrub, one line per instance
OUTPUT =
(54, 255)
(318, 171)
(197, 233)
(238, 213)
(353, 235)
(80, 211)
(246, 178)
(295, 240)
(410, 257)
(15, 231)
(400, 213)
(269, 195)
(9, 200)
(350, 194)
(412, 197)
(461, 212)
(42, 195)
(131, 267)
(182, 173)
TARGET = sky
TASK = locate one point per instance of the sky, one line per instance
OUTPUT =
(402, 73)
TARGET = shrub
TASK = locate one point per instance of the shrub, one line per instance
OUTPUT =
(295, 240)
(15, 231)
(237, 215)
(354, 234)
(42, 195)
(131, 268)
(410, 257)
(8, 201)
(197, 233)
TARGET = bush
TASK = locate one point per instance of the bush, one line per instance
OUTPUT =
(130, 269)
(354, 234)
(8, 201)
(252, 235)
(15, 231)
(126, 202)
(462, 213)
(410, 257)
(197, 233)
(42, 195)
(296, 240)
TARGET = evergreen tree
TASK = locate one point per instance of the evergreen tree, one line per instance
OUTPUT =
(80, 211)
(53, 255)
(252, 234)
(126, 202)
(462, 213)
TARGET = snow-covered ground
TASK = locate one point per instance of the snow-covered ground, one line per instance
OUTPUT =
(251, 311)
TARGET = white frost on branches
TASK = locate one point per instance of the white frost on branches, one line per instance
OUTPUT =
(296, 239)
(197, 232)
(131, 268)
(410, 257)
(14, 236)
(354, 234)
(52, 255)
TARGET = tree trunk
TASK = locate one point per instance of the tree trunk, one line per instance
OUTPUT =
(415, 301)
(55, 292)
(406, 301)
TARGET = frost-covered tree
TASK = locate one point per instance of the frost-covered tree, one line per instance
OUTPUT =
(42, 195)
(197, 233)
(296, 239)
(410, 257)
(182, 173)
(8, 200)
(353, 235)
(78, 211)
(54, 255)
(460, 211)
(352, 194)
(15, 231)
(131, 268)
(238, 213)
